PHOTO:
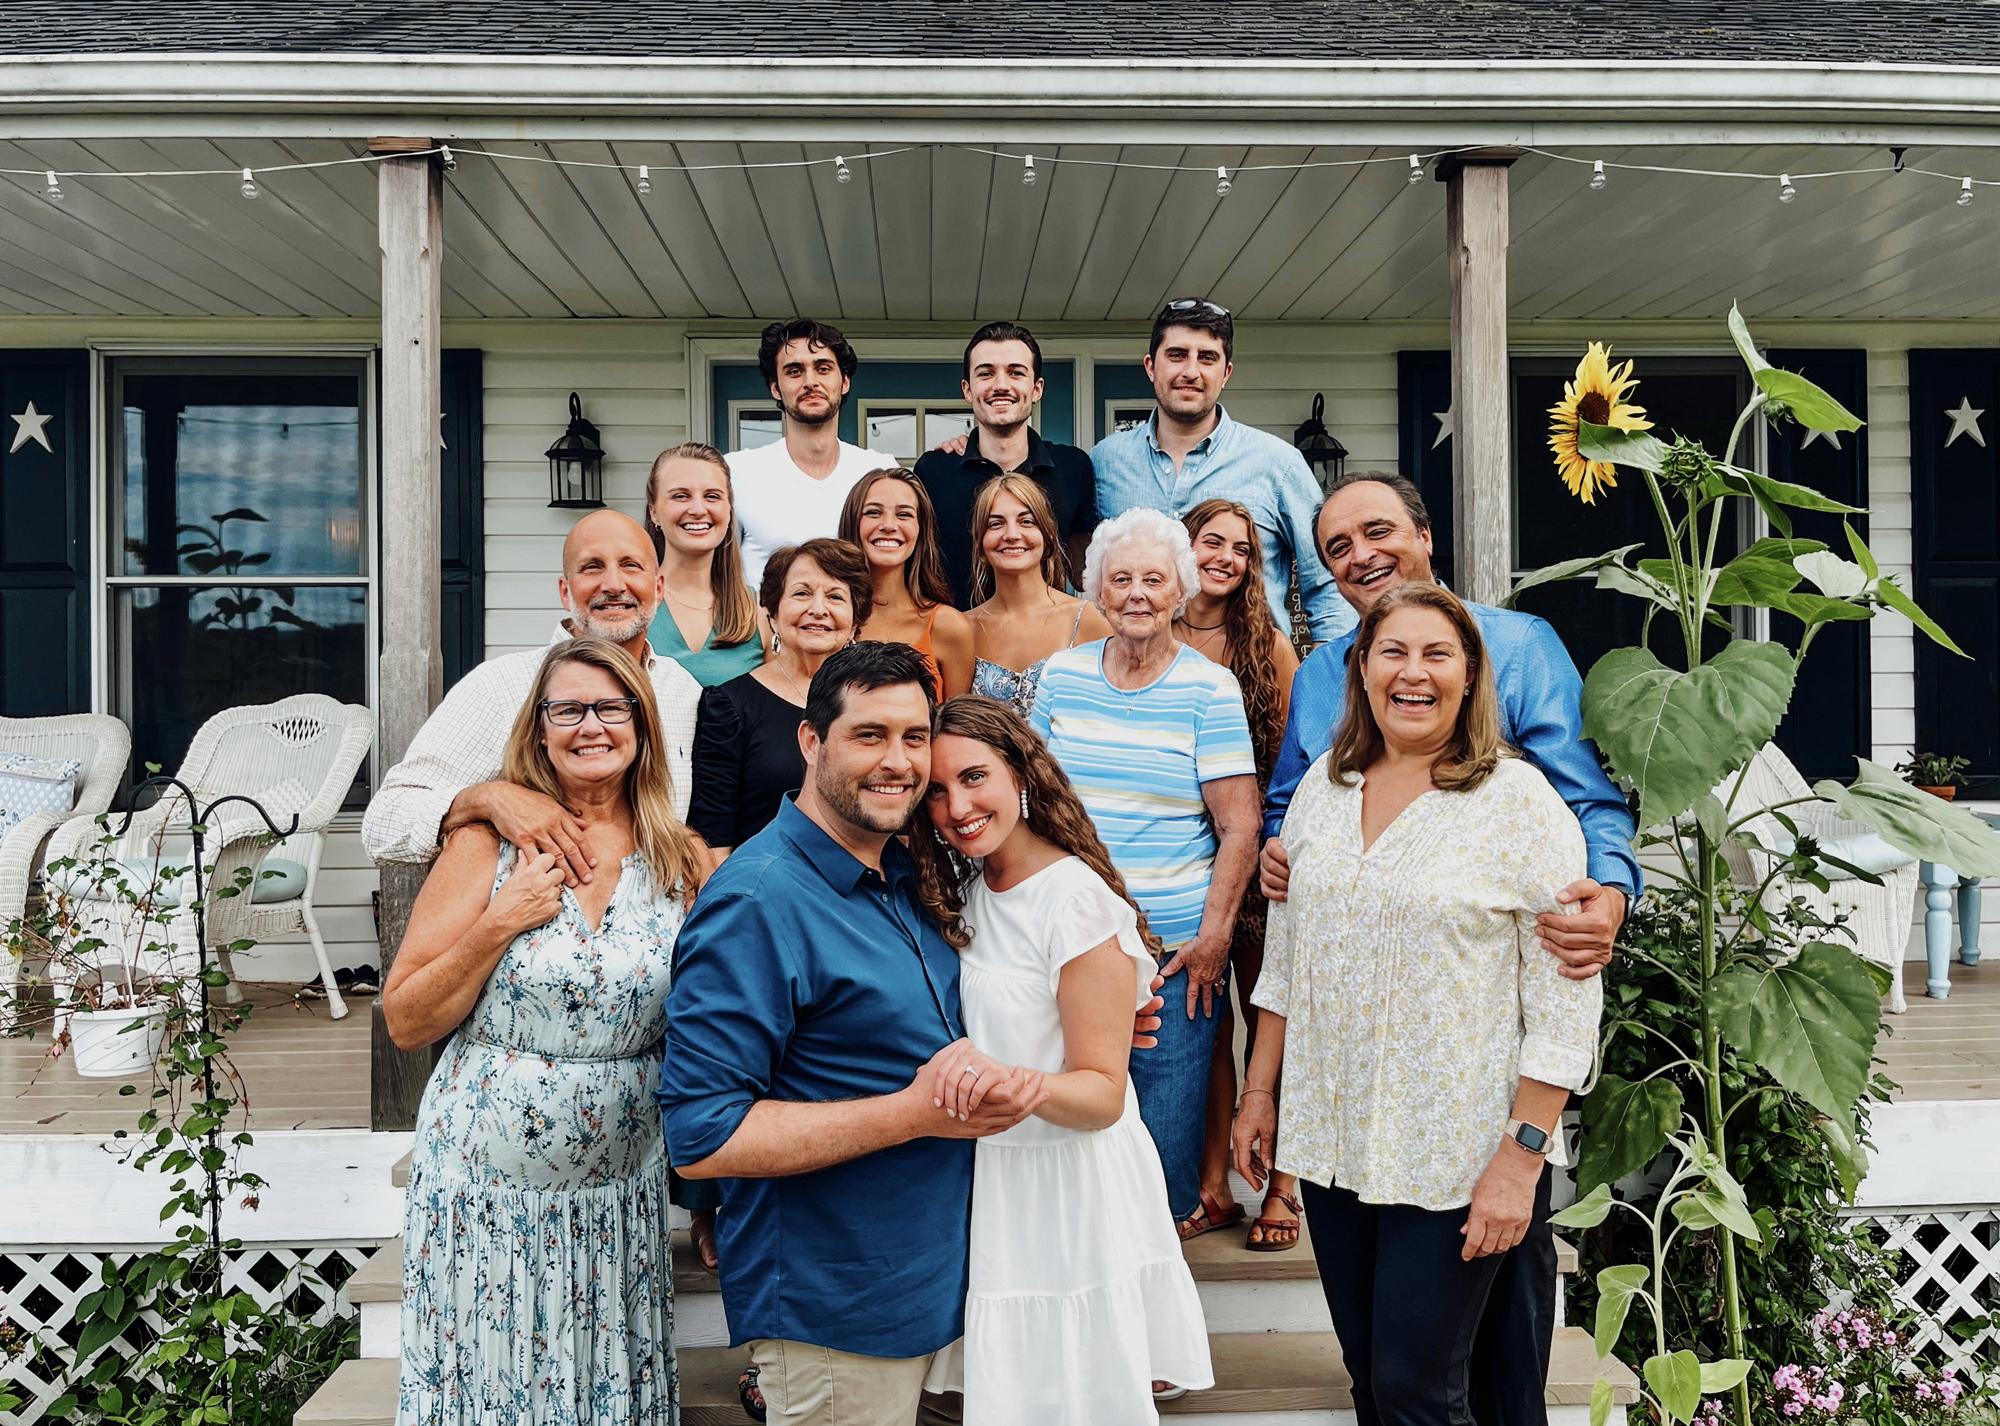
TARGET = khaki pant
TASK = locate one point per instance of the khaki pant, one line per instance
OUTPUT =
(804, 1385)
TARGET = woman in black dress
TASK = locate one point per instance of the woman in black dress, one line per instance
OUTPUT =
(746, 737)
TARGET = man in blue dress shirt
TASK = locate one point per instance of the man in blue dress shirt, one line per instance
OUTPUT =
(1190, 451)
(1374, 533)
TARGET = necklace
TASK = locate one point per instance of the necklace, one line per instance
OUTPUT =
(1205, 628)
(689, 604)
(793, 683)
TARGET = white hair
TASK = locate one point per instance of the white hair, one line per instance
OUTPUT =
(1141, 526)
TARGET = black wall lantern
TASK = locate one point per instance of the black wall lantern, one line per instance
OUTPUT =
(576, 465)
(1326, 455)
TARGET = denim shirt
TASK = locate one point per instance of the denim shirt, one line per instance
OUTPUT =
(1541, 713)
(802, 975)
(1232, 462)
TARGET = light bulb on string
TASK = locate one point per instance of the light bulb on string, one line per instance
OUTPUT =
(1416, 169)
(1028, 171)
(54, 191)
(1222, 183)
(1965, 193)
(1786, 193)
(446, 157)
(248, 188)
(1597, 177)
(841, 172)
(645, 184)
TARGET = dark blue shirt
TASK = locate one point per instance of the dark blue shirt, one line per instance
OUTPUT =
(1063, 472)
(1541, 713)
(802, 975)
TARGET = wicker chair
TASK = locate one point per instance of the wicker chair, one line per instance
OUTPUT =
(102, 744)
(296, 756)
(1880, 917)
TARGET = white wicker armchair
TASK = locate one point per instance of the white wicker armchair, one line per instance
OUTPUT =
(296, 756)
(102, 744)
(1880, 917)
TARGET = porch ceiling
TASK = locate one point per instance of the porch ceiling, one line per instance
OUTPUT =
(951, 235)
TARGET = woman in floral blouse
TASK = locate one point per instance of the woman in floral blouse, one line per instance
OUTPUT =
(1427, 1044)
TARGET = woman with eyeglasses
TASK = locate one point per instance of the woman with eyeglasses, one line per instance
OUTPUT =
(537, 1281)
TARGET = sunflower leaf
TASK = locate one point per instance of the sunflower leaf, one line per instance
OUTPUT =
(1863, 556)
(1773, 548)
(1831, 575)
(1891, 594)
(1810, 406)
(1615, 447)
(1812, 609)
(1567, 569)
(1784, 492)
(1753, 580)
(1915, 822)
(1739, 332)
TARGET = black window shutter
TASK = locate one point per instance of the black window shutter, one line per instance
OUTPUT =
(1955, 489)
(1830, 721)
(1423, 394)
(462, 515)
(44, 533)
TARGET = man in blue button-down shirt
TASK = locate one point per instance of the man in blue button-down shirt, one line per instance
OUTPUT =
(1374, 533)
(1190, 451)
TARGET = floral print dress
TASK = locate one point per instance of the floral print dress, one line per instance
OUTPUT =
(537, 1281)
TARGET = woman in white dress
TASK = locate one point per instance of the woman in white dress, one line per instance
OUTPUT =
(1080, 1306)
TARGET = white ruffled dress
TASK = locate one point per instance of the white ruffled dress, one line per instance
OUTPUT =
(1079, 1295)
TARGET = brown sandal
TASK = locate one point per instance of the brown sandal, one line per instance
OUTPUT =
(1209, 1217)
(1294, 1225)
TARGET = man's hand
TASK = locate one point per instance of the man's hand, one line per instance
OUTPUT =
(1274, 870)
(532, 822)
(1003, 1105)
(1502, 1202)
(955, 445)
(961, 1075)
(1582, 939)
(1148, 1018)
(1206, 960)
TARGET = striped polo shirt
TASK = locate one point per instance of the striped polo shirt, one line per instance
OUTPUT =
(1138, 760)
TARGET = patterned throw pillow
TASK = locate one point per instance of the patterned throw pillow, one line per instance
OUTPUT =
(30, 784)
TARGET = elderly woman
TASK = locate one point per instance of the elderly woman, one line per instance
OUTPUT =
(1154, 737)
(1428, 1043)
(537, 1282)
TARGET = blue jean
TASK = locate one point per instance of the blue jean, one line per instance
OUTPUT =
(1172, 1084)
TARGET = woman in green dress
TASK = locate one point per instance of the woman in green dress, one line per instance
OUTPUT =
(707, 623)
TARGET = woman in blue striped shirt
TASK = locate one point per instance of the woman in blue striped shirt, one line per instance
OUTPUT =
(1154, 738)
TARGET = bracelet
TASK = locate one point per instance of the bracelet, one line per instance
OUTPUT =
(1272, 1092)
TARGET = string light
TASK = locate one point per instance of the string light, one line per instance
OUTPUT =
(1028, 171)
(54, 191)
(1416, 170)
(1965, 193)
(248, 187)
(1597, 178)
(645, 184)
(1222, 183)
(841, 172)
(445, 157)
(1786, 193)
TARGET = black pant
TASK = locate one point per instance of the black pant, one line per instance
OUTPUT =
(1405, 1307)
(1510, 1358)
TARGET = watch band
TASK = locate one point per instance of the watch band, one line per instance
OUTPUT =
(1532, 1137)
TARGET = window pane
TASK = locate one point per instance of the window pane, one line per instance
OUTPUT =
(759, 428)
(196, 650)
(238, 471)
(941, 426)
(892, 432)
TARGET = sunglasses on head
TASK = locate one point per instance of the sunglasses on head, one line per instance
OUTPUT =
(567, 712)
(1194, 304)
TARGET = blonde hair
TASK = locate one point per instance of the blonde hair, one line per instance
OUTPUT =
(735, 606)
(1055, 561)
(1476, 746)
(669, 848)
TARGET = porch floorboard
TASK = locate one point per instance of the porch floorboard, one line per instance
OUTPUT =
(1946, 1049)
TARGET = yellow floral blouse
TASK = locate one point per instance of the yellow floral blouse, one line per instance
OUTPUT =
(1414, 992)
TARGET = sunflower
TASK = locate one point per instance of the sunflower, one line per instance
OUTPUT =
(1594, 396)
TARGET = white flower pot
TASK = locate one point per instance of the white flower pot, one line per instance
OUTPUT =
(102, 1047)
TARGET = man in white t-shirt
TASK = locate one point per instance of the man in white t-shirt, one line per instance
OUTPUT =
(792, 490)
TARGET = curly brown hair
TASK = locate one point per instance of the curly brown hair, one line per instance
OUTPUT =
(1249, 632)
(1055, 812)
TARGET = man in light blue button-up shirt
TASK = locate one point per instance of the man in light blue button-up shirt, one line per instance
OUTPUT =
(1190, 451)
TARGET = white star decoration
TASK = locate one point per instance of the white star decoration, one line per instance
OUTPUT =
(1832, 438)
(1444, 419)
(33, 425)
(1964, 422)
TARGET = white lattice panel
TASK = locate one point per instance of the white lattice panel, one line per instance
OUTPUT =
(1951, 1274)
(39, 1293)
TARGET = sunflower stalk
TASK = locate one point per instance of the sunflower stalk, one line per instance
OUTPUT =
(1679, 739)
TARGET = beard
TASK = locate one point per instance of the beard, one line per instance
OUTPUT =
(615, 625)
(793, 414)
(846, 800)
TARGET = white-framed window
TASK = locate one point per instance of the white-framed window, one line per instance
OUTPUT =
(906, 429)
(1124, 415)
(753, 424)
(239, 552)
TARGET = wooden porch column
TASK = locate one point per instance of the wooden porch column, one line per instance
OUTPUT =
(410, 231)
(1482, 446)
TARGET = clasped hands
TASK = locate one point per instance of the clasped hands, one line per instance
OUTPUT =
(975, 1094)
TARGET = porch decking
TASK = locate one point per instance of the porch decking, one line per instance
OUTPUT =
(1947, 1049)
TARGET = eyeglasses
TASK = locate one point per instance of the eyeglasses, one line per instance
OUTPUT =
(1194, 304)
(567, 712)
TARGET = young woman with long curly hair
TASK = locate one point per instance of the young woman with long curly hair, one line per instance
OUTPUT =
(1089, 1323)
(1229, 621)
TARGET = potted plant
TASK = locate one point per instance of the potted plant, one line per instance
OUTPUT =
(1939, 774)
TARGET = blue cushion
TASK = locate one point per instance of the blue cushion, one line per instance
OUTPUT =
(29, 785)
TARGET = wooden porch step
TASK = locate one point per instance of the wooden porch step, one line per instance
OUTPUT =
(1272, 1373)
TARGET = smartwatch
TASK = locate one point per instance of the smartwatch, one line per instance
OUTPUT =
(1535, 1140)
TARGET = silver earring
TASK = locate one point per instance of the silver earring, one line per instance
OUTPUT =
(774, 641)
(1024, 804)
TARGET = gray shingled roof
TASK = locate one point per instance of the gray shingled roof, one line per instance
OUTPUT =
(1892, 31)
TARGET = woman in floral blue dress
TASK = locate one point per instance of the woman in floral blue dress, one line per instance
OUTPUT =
(537, 1282)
